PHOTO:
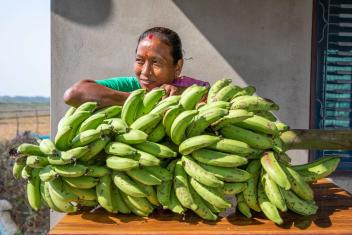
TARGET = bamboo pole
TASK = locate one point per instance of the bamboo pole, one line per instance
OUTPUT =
(314, 139)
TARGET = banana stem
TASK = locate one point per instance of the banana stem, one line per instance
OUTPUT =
(314, 139)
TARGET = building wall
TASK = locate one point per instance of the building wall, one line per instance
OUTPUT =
(262, 43)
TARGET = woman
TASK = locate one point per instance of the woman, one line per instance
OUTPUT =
(158, 63)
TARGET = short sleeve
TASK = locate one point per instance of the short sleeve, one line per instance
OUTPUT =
(125, 84)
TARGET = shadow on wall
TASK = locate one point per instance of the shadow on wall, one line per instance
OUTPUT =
(86, 12)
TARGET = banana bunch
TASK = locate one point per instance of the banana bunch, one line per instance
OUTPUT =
(177, 153)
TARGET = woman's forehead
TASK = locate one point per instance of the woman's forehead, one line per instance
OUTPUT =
(153, 47)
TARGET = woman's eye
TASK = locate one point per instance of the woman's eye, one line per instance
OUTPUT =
(139, 61)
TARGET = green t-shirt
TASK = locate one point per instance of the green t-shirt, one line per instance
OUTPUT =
(125, 84)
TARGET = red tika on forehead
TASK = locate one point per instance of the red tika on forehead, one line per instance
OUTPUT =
(150, 36)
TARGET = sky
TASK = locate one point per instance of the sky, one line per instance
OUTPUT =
(25, 47)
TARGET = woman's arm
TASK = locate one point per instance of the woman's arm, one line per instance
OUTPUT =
(88, 90)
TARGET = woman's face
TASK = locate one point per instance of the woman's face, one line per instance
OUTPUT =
(154, 65)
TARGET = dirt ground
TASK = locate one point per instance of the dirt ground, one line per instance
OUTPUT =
(9, 127)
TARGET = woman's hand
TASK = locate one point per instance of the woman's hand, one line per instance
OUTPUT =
(172, 90)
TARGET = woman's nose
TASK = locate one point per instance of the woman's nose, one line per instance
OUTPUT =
(146, 69)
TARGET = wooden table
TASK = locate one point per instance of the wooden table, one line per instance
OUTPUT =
(333, 217)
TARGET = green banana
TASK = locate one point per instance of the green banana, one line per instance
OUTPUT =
(268, 115)
(127, 185)
(180, 124)
(251, 192)
(215, 158)
(95, 148)
(297, 205)
(174, 204)
(26, 172)
(46, 196)
(132, 137)
(268, 208)
(85, 137)
(18, 166)
(47, 174)
(214, 105)
(138, 205)
(157, 134)
(253, 103)
(227, 174)
(170, 116)
(47, 147)
(274, 170)
(201, 175)
(75, 153)
(151, 194)
(33, 190)
(242, 206)
(57, 190)
(105, 129)
(233, 146)
(120, 149)
(83, 194)
(92, 122)
(118, 125)
(72, 170)
(203, 120)
(121, 163)
(233, 117)
(298, 185)
(227, 92)
(273, 192)
(133, 103)
(248, 90)
(213, 195)
(104, 191)
(251, 138)
(318, 169)
(151, 99)
(159, 172)
(163, 190)
(57, 160)
(30, 149)
(197, 142)
(36, 161)
(89, 106)
(82, 182)
(147, 159)
(146, 122)
(259, 124)
(234, 188)
(97, 171)
(143, 176)
(165, 104)
(110, 111)
(216, 87)
(88, 203)
(117, 201)
(191, 96)
(158, 150)
(281, 127)
(58, 202)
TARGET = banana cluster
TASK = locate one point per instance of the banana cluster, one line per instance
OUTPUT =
(176, 153)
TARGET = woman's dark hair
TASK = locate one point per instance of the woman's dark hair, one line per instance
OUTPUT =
(167, 36)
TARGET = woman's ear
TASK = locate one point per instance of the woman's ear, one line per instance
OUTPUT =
(178, 67)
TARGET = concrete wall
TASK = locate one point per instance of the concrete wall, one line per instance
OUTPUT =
(262, 43)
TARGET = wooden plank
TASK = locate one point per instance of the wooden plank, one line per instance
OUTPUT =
(333, 217)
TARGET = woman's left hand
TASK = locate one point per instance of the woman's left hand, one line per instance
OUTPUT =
(172, 90)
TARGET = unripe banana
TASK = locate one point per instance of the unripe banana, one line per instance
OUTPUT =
(197, 142)
(57, 190)
(47, 174)
(120, 149)
(110, 111)
(18, 166)
(273, 193)
(216, 87)
(180, 125)
(192, 96)
(30, 149)
(164, 190)
(151, 99)
(36, 161)
(159, 172)
(62, 138)
(253, 103)
(158, 150)
(214, 105)
(234, 188)
(82, 182)
(203, 120)
(83, 194)
(268, 115)
(182, 187)
(165, 104)
(233, 117)
(33, 190)
(118, 125)
(88, 203)
(97, 171)
(75, 153)
(215, 158)
(253, 139)
(92, 122)
(121, 163)
(281, 127)
(259, 124)
(89, 106)
(233, 146)
(143, 176)
(242, 206)
(105, 129)
(132, 137)
(85, 137)
(298, 185)
(57, 160)
(71, 170)
(60, 205)
(170, 116)
(318, 169)
(157, 134)
(174, 204)
(251, 192)
(210, 194)
(146, 122)
(269, 209)
(227, 92)
(127, 185)
(274, 170)
(138, 205)
(131, 106)
(95, 148)
(297, 205)
(197, 172)
(46, 196)
(26, 172)
(248, 90)
(147, 159)
(104, 191)
(47, 147)
(151, 194)
(70, 111)
(228, 174)
(117, 201)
